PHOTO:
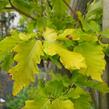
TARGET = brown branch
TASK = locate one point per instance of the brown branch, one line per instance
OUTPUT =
(104, 40)
(8, 7)
(18, 10)
(73, 13)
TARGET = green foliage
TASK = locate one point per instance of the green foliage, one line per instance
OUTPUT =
(78, 96)
(6, 48)
(18, 101)
(7, 62)
(59, 7)
(84, 81)
(56, 95)
(7, 44)
(24, 5)
(94, 11)
(57, 104)
(77, 52)
(3, 3)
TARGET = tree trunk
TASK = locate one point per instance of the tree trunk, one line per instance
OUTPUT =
(79, 5)
(100, 101)
(105, 14)
(104, 99)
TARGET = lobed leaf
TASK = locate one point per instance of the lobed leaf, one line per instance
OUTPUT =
(56, 104)
(27, 57)
(71, 60)
(94, 57)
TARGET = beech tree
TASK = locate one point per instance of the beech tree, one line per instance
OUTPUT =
(56, 37)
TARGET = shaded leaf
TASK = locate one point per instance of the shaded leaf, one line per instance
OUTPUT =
(83, 102)
(31, 104)
(59, 7)
(56, 104)
(80, 98)
(7, 44)
(84, 81)
(7, 62)
(54, 88)
(3, 3)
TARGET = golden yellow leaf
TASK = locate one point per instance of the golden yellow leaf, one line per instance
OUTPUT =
(50, 34)
(94, 56)
(69, 34)
(71, 60)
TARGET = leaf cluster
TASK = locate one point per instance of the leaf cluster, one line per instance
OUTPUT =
(75, 55)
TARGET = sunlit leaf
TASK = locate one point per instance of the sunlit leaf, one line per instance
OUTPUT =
(94, 57)
(25, 37)
(71, 60)
(56, 104)
(27, 58)
(62, 104)
(50, 34)
(69, 34)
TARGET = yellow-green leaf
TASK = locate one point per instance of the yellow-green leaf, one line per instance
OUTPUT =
(62, 104)
(56, 104)
(27, 57)
(26, 37)
(31, 104)
(7, 44)
(71, 60)
(94, 57)
(69, 34)
(50, 34)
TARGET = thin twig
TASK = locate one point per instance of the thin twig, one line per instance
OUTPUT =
(8, 7)
(73, 13)
(49, 4)
(18, 10)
